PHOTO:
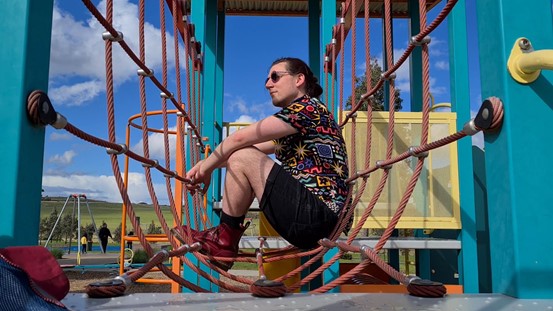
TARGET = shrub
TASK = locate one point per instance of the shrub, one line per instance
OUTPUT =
(57, 253)
(140, 256)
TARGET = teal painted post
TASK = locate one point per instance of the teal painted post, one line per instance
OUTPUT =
(314, 36)
(204, 17)
(518, 157)
(460, 103)
(328, 20)
(415, 61)
(26, 29)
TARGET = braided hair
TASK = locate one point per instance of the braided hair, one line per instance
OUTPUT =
(297, 66)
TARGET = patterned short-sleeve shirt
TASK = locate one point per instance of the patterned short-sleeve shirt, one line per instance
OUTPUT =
(316, 155)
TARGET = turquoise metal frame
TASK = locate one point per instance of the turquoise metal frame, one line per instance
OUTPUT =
(518, 156)
(460, 103)
(26, 25)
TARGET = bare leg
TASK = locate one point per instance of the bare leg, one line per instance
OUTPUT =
(247, 172)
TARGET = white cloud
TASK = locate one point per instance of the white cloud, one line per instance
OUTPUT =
(54, 136)
(78, 52)
(443, 65)
(246, 119)
(76, 94)
(156, 146)
(64, 159)
(101, 187)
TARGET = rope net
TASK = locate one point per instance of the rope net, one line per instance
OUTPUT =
(182, 106)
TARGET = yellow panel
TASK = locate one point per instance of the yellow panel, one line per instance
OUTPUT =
(434, 203)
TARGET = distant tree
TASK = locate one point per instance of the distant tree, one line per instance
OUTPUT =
(48, 226)
(68, 225)
(153, 229)
(378, 99)
(117, 233)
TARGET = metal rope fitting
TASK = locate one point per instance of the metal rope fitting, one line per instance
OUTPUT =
(124, 149)
(108, 36)
(156, 164)
(412, 152)
(342, 20)
(379, 165)
(125, 278)
(327, 59)
(470, 128)
(143, 73)
(165, 95)
(392, 76)
(424, 40)
(165, 254)
(333, 41)
(172, 175)
(60, 122)
(412, 278)
(364, 255)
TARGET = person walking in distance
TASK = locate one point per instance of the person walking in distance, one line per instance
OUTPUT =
(104, 234)
(84, 242)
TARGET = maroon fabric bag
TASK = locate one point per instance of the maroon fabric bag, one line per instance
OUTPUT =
(41, 267)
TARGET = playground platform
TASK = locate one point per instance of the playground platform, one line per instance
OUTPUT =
(232, 301)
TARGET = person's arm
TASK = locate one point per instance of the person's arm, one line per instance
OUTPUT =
(267, 147)
(261, 132)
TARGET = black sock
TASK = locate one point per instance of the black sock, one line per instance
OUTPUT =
(232, 221)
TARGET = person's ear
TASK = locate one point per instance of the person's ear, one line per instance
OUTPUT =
(300, 79)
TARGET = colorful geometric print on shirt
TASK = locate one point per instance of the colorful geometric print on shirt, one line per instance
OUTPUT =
(316, 155)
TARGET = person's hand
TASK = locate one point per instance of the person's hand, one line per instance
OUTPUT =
(198, 176)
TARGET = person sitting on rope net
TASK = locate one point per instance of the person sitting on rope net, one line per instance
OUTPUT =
(302, 197)
(293, 88)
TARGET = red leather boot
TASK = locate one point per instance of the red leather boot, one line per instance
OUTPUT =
(219, 241)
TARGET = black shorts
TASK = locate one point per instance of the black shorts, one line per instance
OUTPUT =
(298, 215)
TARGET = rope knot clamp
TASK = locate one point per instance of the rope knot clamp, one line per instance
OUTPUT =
(424, 40)
(60, 122)
(379, 164)
(171, 175)
(360, 174)
(124, 149)
(364, 249)
(327, 59)
(333, 41)
(108, 36)
(142, 72)
(412, 152)
(149, 165)
(391, 76)
(470, 128)
(342, 20)
(126, 279)
(165, 95)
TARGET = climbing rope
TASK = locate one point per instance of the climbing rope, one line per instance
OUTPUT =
(41, 112)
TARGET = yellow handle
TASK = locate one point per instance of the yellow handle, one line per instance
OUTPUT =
(525, 64)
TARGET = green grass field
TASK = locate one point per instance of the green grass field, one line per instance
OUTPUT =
(110, 213)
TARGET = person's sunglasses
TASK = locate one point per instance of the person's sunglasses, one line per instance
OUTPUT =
(276, 75)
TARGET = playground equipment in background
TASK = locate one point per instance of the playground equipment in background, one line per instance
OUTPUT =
(76, 205)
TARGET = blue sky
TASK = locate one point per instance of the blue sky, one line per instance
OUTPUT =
(77, 85)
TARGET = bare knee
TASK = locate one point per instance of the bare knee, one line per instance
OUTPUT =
(245, 157)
